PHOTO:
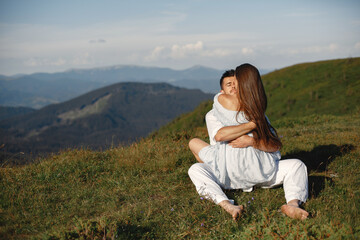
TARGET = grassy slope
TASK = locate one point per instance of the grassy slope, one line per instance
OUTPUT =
(326, 87)
(143, 191)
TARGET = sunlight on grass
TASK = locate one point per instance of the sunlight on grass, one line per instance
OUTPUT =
(143, 191)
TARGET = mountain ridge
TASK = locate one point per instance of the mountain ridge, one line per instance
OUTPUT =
(33, 90)
(112, 115)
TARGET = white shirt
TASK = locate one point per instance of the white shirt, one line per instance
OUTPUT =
(213, 126)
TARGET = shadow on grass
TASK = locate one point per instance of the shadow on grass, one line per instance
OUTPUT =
(319, 158)
(133, 232)
(317, 161)
(317, 184)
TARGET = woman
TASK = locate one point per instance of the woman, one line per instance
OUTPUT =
(238, 168)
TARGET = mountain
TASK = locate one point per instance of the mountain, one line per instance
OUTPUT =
(9, 112)
(40, 89)
(29, 91)
(117, 114)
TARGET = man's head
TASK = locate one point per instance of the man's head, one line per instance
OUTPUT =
(228, 82)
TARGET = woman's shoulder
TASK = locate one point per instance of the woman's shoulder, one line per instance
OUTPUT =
(229, 102)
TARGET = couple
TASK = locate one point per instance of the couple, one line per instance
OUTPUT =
(244, 148)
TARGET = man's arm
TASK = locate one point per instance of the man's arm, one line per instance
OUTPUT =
(247, 141)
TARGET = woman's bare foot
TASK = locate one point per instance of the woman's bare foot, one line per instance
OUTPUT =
(293, 210)
(234, 210)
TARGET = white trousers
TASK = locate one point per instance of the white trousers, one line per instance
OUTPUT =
(291, 173)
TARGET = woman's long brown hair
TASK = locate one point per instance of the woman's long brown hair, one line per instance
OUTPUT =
(253, 102)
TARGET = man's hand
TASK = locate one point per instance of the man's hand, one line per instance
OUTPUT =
(242, 142)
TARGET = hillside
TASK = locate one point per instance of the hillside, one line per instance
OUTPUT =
(9, 112)
(143, 191)
(294, 91)
(117, 114)
(325, 87)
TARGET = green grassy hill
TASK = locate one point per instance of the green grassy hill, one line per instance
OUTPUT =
(143, 191)
(326, 87)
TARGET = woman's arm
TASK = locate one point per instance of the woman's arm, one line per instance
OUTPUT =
(247, 141)
(229, 133)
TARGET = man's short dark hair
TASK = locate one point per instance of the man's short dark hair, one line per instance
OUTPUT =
(228, 73)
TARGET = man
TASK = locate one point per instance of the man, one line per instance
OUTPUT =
(291, 173)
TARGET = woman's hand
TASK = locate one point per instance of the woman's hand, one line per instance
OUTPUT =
(242, 142)
(247, 141)
(230, 133)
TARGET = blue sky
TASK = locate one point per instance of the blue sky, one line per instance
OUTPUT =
(54, 36)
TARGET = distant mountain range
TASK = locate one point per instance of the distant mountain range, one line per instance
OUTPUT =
(116, 114)
(40, 89)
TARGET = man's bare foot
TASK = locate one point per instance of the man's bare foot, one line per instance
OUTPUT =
(294, 211)
(234, 210)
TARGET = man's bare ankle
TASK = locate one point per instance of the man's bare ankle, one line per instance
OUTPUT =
(294, 203)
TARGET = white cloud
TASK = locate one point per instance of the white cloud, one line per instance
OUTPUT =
(178, 51)
(155, 54)
(83, 59)
(320, 49)
(217, 53)
(173, 36)
(333, 47)
(36, 62)
(247, 51)
(182, 52)
(357, 45)
(80, 59)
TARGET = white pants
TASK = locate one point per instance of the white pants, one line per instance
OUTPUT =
(292, 173)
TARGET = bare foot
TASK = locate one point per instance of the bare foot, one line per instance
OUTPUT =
(234, 210)
(294, 211)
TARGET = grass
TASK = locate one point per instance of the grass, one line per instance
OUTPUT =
(324, 87)
(143, 191)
